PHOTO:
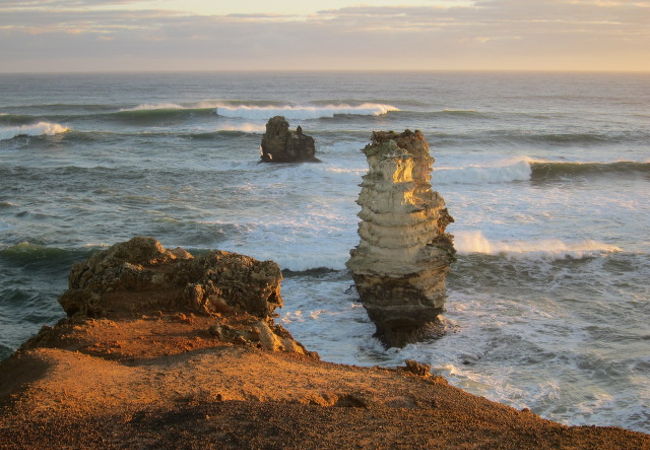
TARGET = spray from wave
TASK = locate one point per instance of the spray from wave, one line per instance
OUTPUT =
(38, 129)
(475, 242)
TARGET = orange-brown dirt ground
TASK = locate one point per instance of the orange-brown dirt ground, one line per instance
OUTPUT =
(167, 381)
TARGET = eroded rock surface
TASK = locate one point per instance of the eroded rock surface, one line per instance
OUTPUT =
(402, 260)
(141, 277)
(279, 144)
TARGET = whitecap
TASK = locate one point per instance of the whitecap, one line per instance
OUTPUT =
(38, 129)
(302, 111)
(153, 107)
(475, 242)
(244, 127)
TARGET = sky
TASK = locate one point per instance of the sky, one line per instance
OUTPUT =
(292, 35)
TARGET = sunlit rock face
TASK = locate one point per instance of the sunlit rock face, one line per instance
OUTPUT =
(140, 275)
(402, 260)
(235, 294)
(279, 144)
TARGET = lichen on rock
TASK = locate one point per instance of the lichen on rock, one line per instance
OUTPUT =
(402, 260)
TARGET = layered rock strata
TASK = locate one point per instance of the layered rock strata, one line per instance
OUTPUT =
(279, 144)
(401, 263)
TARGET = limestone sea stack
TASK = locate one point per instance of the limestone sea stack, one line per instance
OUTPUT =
(279, 144)
(402, 260)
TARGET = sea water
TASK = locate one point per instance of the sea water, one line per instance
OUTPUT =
(547, 176)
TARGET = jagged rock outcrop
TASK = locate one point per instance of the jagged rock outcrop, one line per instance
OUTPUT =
(402, 260)
(142, 277)
(279, 144)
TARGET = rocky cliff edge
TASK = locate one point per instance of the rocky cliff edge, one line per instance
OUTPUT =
(163, 349)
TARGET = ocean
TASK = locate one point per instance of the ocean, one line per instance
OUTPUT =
(547, 176)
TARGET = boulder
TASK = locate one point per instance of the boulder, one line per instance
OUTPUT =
(226, 296)
(401, 263)
(141, 276)
(279, 144)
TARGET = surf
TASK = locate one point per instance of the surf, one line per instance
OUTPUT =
(37, 129)
(302, 112)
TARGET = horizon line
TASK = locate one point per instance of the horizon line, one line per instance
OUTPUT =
(314, 71)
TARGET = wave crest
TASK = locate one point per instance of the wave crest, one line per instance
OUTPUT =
(302, 112)
(525, 169)
(37, 129)
(154, 107)
(552, 169)
(495, 173)
(475, 242)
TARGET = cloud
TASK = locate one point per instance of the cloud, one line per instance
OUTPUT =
(61, 4)
(486, 34)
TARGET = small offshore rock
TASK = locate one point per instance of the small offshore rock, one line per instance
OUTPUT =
(279, 144)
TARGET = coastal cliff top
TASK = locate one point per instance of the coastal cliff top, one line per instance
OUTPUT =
(231, 378)
(166, 381)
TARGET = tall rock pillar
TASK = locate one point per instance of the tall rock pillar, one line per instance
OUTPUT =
(402, 260)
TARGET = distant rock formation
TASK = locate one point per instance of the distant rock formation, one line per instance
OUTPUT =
(279, 144)
(142, 277)
(402, 260)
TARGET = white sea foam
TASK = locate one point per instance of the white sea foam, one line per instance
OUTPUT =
(257, 112)
(356, 172)
(154, 106)
(302, 111)
(475, 242)
(499, 172)
(245, 127)
(38, 129)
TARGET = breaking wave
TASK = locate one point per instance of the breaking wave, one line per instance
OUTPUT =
(154, 107)
(37, 129)
(477, 174)
(544, 169)
(244, 128)
(222, 132)
(475, 242)
(262, 110)
(526, 169)
(302, 111)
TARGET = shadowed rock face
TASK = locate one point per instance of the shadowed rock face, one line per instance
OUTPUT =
(402, 260)
(279, 144)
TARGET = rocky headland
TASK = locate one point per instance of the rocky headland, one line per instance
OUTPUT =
(163, 349)
(401, 263)
(280, 144)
